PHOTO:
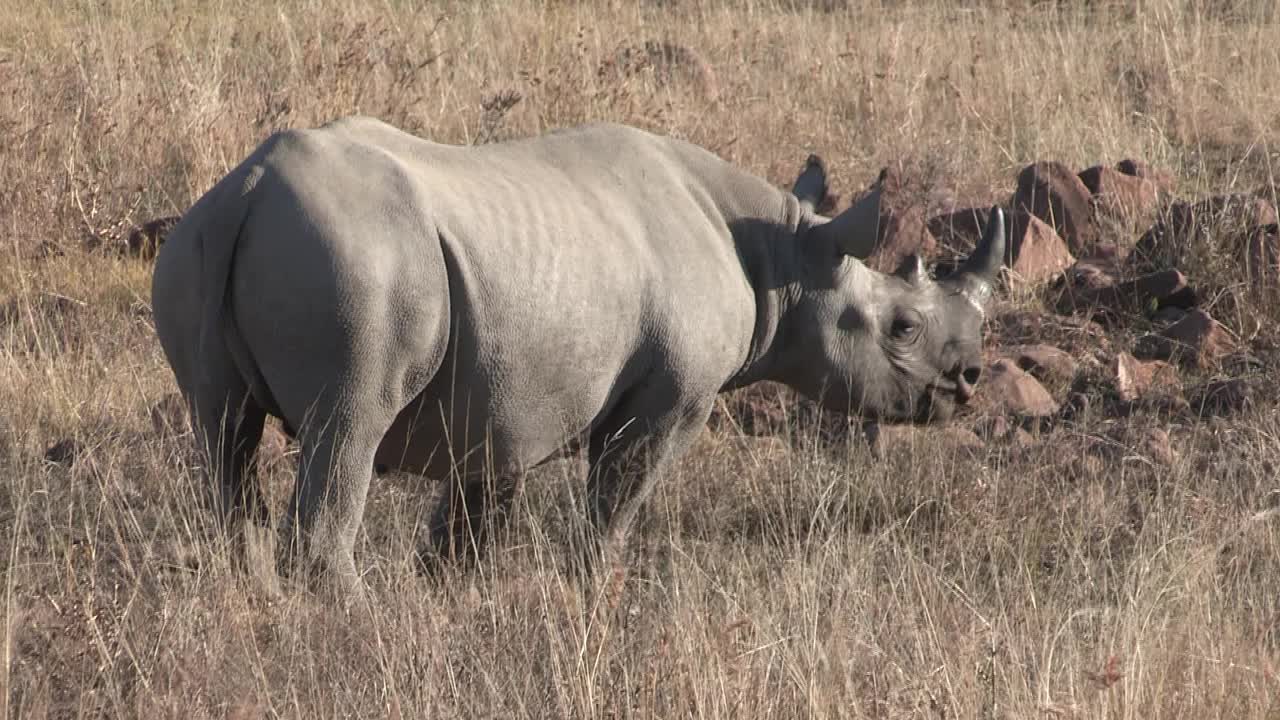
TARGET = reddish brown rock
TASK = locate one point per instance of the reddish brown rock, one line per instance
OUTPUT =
(885, 440)
(897, 220)
(1056, 195)
(1129, 200)
(1007, 389)
(757, 410)
(1262, 255)
(1046, 363)
(959, 231)
(1222, 397)
(144, 241)
(1197, 339)
(1138, 168)
(1091, 293)
(64, 452)
(1216, 224)
(1136, 378)
(1129, 443)
(1036, 253)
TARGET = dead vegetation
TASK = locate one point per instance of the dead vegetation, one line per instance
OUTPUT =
(1118, 560)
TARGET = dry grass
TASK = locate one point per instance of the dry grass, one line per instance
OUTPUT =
(770, 581)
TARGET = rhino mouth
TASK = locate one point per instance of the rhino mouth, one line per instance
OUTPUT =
(937, 403)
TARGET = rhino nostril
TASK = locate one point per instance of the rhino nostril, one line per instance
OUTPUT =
(971, 375)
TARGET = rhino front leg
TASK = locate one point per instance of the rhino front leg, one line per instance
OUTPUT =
(469, 513)
(628, 454)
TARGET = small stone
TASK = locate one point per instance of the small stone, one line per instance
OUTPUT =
(1220, 224)
(1109, 302)
(959, 231)
(1195, 340)
(1222, 397)
(1168, 315)
(1036, 253)
(1008, 390)
(1136, 379)
(1046, 363)
(64, 452)
(1138, 168)
(144, 241)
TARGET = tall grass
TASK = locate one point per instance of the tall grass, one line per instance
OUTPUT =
(1078, 575)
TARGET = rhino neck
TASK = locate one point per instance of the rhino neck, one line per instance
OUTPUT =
(772, 258)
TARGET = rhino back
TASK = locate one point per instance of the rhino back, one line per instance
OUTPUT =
(576, 263)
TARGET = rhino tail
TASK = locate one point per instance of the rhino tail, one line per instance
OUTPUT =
(219, 335)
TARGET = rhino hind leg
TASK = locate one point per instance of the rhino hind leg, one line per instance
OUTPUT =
(229, 425)
(470, 512)
(327, 506)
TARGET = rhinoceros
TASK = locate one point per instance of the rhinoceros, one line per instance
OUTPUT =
(463, 313)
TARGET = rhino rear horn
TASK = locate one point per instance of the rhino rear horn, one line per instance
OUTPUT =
(811, 185)
(912, 269)
(983, 267)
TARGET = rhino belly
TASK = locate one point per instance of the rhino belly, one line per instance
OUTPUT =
(474, 427)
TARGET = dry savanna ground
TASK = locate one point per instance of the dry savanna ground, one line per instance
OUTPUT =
(1075, 568)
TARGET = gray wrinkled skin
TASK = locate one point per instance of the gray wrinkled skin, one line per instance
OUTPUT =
(463, 312)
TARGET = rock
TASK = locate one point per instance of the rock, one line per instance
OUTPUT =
(1192, 231)
(884, 440)
(1137, 168)
(1154, 443)
(1056, 195)
(898, 221)
(170, 415)
(1036, 253)
(1046, 363)
(1130, 442)
(1092, 295)
(65, 452)
(1093, 274)
(1262, 255)
(1222, 397)
(1077, 406)
(1008, 390)
(1128, 200)
(1195, 340)
(993, 428)
(757, 410)
(274, 450)
(1136, 379)
(1168, 315)
(958, 231)
(144, 241)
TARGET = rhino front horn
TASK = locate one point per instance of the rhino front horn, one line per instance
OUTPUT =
(983, 266)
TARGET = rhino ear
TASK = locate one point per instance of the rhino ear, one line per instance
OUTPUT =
(912, 269)
(811, 185)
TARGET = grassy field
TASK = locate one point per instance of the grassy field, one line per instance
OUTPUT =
(1078, 573)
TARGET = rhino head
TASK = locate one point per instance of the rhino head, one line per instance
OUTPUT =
(898, 347)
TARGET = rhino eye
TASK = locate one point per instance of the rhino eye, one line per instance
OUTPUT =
(904, 328)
